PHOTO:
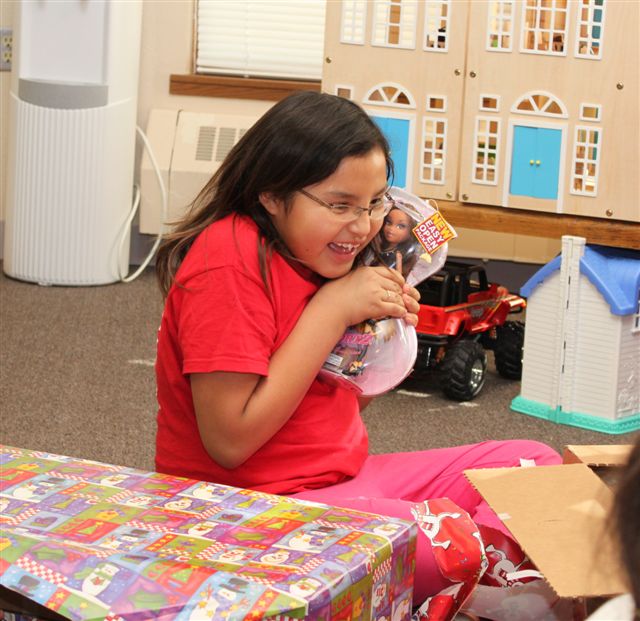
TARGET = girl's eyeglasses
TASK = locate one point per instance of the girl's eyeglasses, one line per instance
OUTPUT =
(377, 210)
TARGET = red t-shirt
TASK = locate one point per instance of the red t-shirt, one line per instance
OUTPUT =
(221, 318)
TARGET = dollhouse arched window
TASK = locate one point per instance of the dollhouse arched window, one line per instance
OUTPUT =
(540, 103)
(394, 23)
(590, 29)
(544, 27)
(436, 25)
(500, 26)
(390, 94)
(354, 16)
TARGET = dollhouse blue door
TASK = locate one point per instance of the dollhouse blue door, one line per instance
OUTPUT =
(535, 165)
(396, 131)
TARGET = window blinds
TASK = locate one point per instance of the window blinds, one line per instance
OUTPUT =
(261, 38)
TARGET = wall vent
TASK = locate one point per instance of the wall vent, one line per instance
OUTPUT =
(189, 147)
(206, 140)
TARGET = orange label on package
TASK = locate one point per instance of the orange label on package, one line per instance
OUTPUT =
(433, 232)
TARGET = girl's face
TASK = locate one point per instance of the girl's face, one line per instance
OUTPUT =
(316, 236)
(397, 227)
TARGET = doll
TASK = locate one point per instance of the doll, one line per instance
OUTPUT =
(395, 237)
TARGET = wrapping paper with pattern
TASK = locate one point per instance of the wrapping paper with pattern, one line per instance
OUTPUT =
(96, 541)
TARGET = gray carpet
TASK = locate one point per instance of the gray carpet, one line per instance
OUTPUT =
(76, 378)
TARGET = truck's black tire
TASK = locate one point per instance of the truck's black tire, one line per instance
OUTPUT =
(463, 370)
(508, 349)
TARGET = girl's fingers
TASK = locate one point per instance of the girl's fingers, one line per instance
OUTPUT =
(389, 274)
(391, 280)
(411, 304)
(412, 291)
(411, 319)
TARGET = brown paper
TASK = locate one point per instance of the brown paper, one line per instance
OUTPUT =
(559, 515)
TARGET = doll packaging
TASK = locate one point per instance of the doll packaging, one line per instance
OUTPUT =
(376, 355)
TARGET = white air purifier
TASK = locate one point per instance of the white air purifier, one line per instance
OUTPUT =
(72, 140)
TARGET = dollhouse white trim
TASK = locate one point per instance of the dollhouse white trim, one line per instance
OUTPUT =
(386, 100)
(342, 89)
(587, 146)
(591, 106)
(494, 137)
(547, 108)
(585, 27)
(509, 147)
(543, 31)
(434, 167)
(500, 21)
(439, 98)
(437, 17)
(353, 22)
(483, 108)
(394, 23)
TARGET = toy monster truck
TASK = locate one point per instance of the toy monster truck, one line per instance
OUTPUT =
(462, 314)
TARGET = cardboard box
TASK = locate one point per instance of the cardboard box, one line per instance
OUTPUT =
(559, 515)
(606, 460)
(597, 455)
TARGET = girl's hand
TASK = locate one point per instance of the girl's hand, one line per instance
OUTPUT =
(370, 293)
(411, 297)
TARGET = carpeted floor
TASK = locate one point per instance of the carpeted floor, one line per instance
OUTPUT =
(76, 378)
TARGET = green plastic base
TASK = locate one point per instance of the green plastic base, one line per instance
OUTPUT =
(586, 421)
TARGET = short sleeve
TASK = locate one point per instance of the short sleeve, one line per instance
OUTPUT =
(226, 323)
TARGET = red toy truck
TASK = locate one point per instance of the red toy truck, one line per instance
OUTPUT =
(462, 314)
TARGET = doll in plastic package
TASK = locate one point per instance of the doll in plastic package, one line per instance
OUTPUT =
(375, 356)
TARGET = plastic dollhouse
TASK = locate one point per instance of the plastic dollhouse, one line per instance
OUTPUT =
(581, 362)
(529, 104)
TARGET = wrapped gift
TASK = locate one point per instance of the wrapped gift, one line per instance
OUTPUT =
(90, 540)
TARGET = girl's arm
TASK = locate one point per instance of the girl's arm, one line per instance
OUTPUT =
(239, 412)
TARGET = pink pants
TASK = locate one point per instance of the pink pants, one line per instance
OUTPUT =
(389, 484)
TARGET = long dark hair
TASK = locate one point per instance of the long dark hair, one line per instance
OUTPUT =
(298, 142)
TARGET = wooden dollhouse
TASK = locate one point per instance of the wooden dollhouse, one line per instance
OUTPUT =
(581, 361)
(530, 104)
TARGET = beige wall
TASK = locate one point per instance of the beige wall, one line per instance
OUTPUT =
(167, 27)
(165, 49)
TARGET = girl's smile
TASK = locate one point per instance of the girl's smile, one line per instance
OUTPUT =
(345, 249)
(313, 234)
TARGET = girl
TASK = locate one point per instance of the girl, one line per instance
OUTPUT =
(261, 280)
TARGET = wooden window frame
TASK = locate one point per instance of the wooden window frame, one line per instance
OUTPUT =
(235, 87)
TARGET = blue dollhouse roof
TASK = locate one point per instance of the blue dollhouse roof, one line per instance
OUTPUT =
(615, 272)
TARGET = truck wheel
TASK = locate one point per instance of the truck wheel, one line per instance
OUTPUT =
(463, 370)
(508, 349)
